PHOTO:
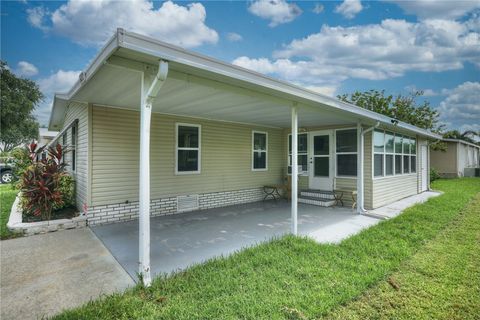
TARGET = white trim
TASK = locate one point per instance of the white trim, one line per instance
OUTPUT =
(303, 173)
(331, 156)
(199, 149)
(266, 150)
(384, 153)
(294, 188)
(461, 141)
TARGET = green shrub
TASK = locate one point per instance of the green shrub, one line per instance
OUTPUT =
(66, 187)
(434, 175)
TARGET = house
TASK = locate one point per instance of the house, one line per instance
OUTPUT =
(157, 129)
(45, 136)
(458, 160)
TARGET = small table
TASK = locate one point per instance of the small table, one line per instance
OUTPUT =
(272, 191)
(338, 195)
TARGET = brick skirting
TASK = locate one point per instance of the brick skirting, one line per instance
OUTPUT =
(165, 206)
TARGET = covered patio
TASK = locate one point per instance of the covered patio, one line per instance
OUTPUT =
(140, 74)
(181, 240)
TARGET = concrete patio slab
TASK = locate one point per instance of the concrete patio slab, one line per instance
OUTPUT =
(178, 241)
(42, 275)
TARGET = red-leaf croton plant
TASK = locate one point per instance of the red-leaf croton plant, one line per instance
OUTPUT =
(41, 180)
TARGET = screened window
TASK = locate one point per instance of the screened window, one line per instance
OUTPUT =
(396, 156)
(346, 152)
(302, 152)
(188, 148)
(259, 150)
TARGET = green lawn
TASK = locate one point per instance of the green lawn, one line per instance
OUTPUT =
(7, 196)
(441, 281)
(292, 278)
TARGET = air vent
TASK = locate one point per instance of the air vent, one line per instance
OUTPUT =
(187, 203)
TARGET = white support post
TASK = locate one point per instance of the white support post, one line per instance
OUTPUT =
(144, 190)
(360, 184)
(294, 169)
(148, 94)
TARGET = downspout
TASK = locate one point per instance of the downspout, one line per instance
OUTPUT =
(148, 97)
(360, 168)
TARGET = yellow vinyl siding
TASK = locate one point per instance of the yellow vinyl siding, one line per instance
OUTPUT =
(226, 151)
(367, 171)
(386, 190)
(445, 162)
(78, 111)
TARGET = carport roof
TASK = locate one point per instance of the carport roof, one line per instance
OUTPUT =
(195, 78)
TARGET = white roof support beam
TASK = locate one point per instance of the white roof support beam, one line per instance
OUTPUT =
(294, 189)
(150, 86)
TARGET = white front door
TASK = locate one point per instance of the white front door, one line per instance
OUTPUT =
(321, 162)
(424, 168)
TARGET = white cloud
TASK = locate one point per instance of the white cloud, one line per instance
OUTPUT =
(234, 37)
(326, 90)
(428, 9)
(349, 8)
(277, 11)
(375, 52)
(59, 82)
(92, 22)
(461, 108)
(426, 92)
(318, 8)
(26, 69)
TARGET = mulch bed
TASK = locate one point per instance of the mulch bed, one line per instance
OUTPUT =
(65, 213)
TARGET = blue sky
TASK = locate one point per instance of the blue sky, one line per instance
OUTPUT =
(328, 46)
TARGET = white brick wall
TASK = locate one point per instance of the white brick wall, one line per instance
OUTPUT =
(165, 206)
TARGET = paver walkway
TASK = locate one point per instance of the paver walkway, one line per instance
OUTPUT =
(42, 275)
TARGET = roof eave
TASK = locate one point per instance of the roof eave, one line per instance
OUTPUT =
(149, 46)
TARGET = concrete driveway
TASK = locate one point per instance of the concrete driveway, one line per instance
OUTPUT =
(42, 275)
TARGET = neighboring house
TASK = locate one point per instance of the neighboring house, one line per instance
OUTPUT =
(457, 160)
(45, 136)
(160, 130)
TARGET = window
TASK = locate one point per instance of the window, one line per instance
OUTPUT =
(64, 145)
(302, 152)
(73, 146)
(379, 152)
(389, 152)
(259, 150)
(346, 152)
(188, 148)
(393, 154)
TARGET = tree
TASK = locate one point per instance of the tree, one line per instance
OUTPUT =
(19, 98)
(402, 108)
(465, 136)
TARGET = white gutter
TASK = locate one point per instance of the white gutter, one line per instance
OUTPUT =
(148, 96)
(360, 181)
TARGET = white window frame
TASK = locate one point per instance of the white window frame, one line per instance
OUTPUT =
(73, 147)
(385, 154)
(199, 148)
(266, 150)
(341, 153)
(289, 164)
(402, 154)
